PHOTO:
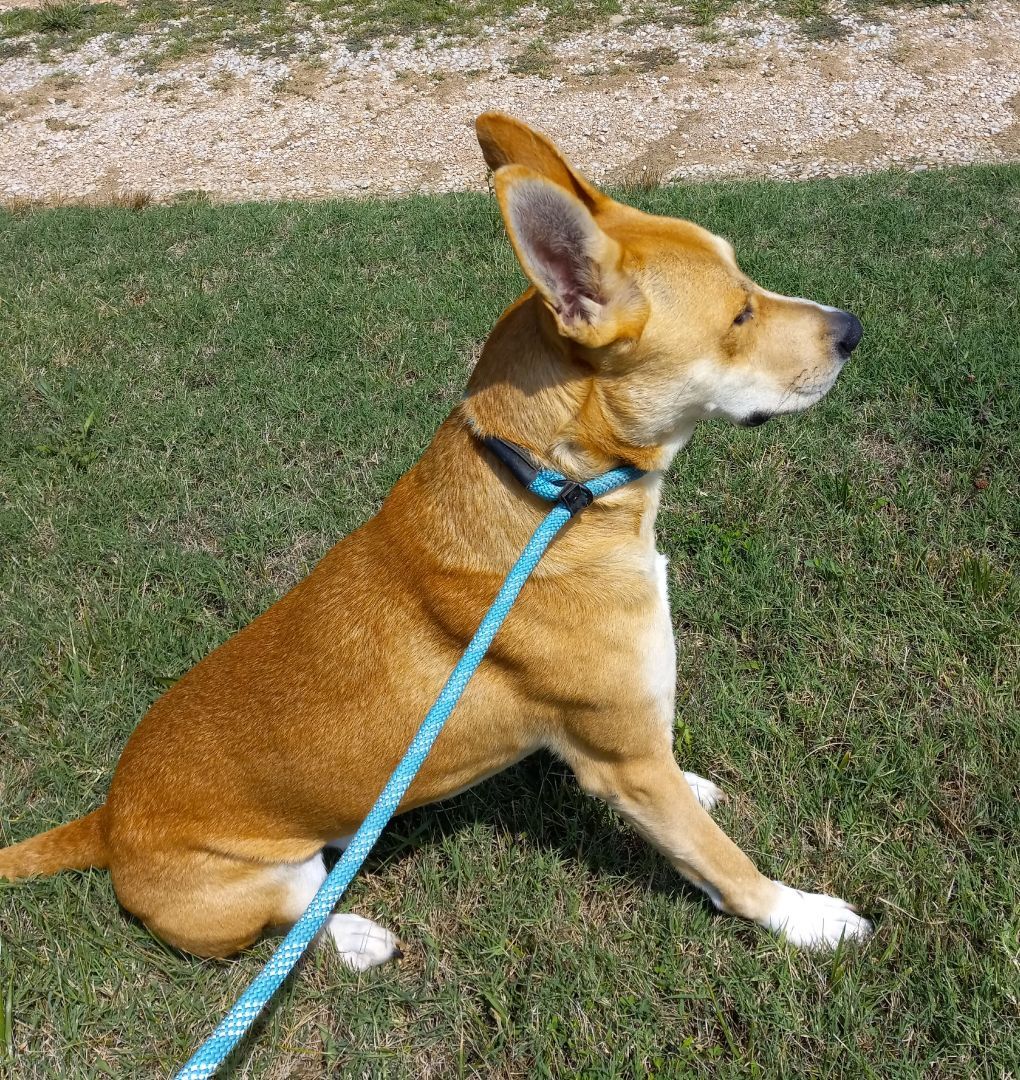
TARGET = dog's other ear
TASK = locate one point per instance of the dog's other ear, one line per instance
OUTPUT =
(574, 265)
(507, 141)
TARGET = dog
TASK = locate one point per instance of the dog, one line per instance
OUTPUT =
(634, 329)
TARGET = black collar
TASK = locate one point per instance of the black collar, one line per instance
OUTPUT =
(571, 494)
(514, 457)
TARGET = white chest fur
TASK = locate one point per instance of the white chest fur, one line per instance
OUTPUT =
(660, 648)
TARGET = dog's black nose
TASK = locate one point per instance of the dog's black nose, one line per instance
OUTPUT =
(848, 331)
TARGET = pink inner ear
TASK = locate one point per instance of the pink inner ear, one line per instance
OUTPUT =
(571, 277)
(556, 243)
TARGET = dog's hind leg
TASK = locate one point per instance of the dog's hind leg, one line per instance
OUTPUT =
(361, 943)
(213, 905)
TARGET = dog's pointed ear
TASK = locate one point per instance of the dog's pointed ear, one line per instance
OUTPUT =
(507, 141)
(576, 266)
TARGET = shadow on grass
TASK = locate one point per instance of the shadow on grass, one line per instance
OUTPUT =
(540, 801)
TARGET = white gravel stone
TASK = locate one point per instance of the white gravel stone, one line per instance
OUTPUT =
(916, 89)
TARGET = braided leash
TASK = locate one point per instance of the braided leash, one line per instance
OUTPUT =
(570, 498)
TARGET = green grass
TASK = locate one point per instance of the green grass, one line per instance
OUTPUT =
(181, 28)
(199, 401)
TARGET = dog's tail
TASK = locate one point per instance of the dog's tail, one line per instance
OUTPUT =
(74, 846)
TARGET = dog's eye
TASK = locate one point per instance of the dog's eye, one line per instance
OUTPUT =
(746, 314)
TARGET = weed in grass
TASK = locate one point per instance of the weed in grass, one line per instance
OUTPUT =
(839, 489)
(823, 27)
(18, 205)
(979, 575)
(802, 10)
(73, 448)
(704, 13)
(13, 49)
(536, 58)
(641, 177)
(195, 197)
(61, 18)
(129, 200)
(18, 22)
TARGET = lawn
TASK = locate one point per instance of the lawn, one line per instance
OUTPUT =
(198, 401)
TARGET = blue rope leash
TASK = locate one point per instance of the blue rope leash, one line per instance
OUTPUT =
(214, 1051)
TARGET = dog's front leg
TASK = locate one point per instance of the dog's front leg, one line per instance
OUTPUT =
(656, 798)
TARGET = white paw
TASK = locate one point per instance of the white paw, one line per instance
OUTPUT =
(707, 793)
(362, 944)
(814, 920)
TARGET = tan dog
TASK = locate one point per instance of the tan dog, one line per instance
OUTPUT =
(277, 744)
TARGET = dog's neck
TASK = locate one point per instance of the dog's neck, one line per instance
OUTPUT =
(529, 389)
(533, 388)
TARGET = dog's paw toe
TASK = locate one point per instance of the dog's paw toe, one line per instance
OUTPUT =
(707, 793)
(814, 920)
(361, 943)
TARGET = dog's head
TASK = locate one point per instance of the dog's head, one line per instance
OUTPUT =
(657, 306)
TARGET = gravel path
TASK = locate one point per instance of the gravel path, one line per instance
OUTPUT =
(914, 89)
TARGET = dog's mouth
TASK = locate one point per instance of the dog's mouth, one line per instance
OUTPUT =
(755, 419)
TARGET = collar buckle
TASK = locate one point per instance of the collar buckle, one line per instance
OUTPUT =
(574, 496)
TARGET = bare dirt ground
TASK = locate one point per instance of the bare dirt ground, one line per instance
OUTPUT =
(907, 88)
